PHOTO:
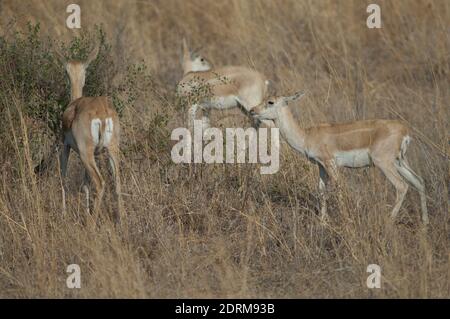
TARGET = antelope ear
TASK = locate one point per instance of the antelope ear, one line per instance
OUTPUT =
(92, 56)
(186, 53)
(294, 97)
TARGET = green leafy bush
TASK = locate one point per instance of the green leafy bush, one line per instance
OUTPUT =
(32, 75)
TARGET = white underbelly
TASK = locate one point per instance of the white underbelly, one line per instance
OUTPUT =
(354, 158)
(222, 102)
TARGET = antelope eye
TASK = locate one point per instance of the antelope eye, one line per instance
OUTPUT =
(270, 102)
(202, 60)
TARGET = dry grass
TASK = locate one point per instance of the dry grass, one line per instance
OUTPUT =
(228, 231)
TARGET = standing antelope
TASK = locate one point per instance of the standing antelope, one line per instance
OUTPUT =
(229, 86)
(90, 125)
(382, 143)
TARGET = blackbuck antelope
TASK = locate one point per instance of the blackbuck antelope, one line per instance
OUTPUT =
(218, 88)
(90, 125)
(382, 143)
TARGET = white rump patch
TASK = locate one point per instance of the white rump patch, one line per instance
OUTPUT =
(101, 136)
(96, 126)
(109, 128)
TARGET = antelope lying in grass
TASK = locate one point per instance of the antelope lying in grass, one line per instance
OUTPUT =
(228, 87)
(382, 143)
(90, 125)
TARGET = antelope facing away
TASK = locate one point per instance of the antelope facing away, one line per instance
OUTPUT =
(228, 87)
(382, 143)
(90, 125)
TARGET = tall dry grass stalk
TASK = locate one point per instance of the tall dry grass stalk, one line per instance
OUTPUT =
(228, 231)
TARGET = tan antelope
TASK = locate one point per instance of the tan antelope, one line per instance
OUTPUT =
(229, 86)
(382, 143)
(90, 125)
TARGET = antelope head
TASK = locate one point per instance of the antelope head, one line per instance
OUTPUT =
(193, 61)
(269, 109)
(76, 70)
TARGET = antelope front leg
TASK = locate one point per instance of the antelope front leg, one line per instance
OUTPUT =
(192, 115)
(205, 119)
(333, 173)
(328, 176)
(323, 183)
